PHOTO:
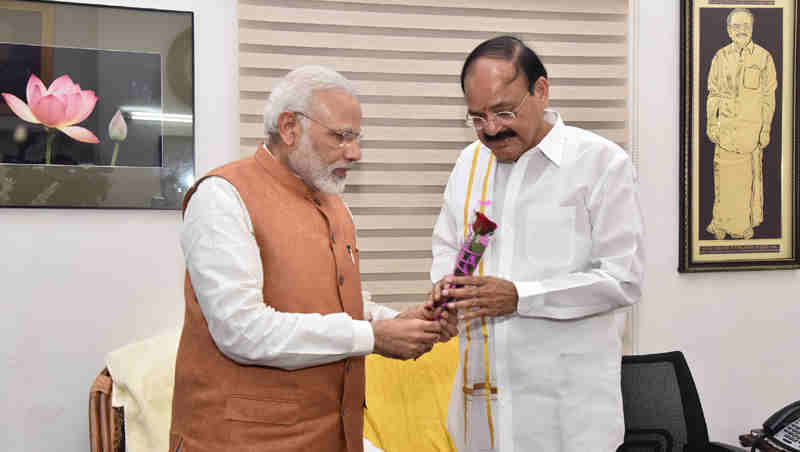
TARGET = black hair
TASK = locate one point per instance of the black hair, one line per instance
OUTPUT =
(509, 48)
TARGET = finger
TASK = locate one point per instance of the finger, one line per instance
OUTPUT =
(437, 290)
(449, 329)
(430, 326)
(464, 305)
(465, 280)
(468, 316)
(460, 293)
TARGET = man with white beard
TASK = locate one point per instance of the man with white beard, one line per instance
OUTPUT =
(276, 326)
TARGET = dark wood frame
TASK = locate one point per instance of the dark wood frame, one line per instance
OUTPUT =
(688, 206)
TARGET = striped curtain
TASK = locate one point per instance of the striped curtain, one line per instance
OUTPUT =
(405, 57)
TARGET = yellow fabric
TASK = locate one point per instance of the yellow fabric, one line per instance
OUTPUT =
(407, 400)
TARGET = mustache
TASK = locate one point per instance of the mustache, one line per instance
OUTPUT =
(500, 135)
(345, 165)
(334, 166)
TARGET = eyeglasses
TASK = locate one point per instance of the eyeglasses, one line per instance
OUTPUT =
(745, 26)
(346, 137)
(501, 117)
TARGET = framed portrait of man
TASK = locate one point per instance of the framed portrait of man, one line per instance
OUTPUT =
(739, 135)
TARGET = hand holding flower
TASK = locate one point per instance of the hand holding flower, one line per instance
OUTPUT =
(471, 252)
(427, 311)
(477, 296)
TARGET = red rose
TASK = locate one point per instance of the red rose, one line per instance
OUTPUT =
(483, 225)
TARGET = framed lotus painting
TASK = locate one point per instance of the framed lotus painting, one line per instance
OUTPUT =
(739, 198)
(97, 106)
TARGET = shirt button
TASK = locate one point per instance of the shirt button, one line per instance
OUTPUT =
(341, 280)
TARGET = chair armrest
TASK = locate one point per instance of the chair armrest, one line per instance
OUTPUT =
(722, 447)
(640, 445)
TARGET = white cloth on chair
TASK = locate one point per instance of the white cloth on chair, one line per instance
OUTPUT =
(143, 375)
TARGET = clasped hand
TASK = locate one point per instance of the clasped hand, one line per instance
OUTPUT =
(476, 296)
(414, 332)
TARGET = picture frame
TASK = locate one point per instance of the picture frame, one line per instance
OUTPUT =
(127, 141)
(40, 17)
(740, 134)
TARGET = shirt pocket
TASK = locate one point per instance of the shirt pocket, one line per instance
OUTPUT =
(279, 412)
(549, 233)
(752, 77)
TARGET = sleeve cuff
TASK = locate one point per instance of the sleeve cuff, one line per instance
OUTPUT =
(531, 297)
(363, 338)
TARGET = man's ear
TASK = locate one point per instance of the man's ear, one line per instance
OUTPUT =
(541, 90)
(288, 128)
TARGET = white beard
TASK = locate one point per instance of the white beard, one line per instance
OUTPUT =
(313, 171)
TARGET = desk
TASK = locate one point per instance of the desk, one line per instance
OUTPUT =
(747, 441)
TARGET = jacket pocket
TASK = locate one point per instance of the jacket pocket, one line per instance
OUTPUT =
(269, 411)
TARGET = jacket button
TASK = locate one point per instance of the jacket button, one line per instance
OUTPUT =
(341, 280)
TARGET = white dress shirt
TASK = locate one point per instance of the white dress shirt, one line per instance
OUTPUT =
(570, 238)
(224, 265)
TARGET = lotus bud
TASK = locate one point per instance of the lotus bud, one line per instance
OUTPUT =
(117, 128)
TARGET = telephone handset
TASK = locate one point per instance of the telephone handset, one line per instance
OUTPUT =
(783, 428)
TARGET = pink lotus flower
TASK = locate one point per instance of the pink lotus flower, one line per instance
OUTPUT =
(60, 106)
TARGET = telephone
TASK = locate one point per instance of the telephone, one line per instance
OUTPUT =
(782, 429)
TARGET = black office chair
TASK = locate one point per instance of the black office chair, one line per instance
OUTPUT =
(662, 408)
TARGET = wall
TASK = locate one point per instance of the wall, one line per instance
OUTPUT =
(736, 329)
(78, 283)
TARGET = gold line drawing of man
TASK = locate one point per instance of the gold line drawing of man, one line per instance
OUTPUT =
(740, 108)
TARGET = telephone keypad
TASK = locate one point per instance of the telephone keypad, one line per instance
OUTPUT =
(790, 435)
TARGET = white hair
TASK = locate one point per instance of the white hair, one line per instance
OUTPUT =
(294, 93)
(739, 11)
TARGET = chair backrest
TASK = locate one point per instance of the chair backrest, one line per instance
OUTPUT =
(661, 405)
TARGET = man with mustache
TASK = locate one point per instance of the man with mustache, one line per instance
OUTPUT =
(276, 328)
(740, 107)
(540, 330)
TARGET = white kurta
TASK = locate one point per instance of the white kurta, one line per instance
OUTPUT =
(570, 237)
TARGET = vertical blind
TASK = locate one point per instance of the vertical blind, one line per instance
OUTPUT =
(405, 57)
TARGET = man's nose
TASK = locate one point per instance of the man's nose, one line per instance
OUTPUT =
(352, 151)
(492, 126)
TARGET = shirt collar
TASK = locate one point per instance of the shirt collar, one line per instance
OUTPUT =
(749, 48)
(551, 145)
